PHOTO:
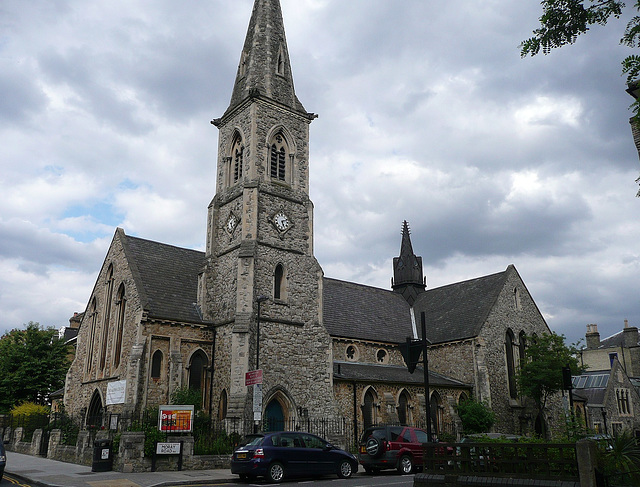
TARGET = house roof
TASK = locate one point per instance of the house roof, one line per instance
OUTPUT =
(167, 277)
(616, 340)
(390, 373)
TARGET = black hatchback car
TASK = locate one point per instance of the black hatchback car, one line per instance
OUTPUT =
(290, 454)
(3, 459)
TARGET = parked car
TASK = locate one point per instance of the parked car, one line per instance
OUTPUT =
(387, 447)
(3, 459)
(290, 454)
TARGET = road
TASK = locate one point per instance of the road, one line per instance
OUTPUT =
(359, 480)
(8, 480)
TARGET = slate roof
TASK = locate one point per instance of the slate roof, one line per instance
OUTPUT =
(167, 278)
(390, 373)
(459, 310)
(356, 311)
(453, 312)
(616, 340)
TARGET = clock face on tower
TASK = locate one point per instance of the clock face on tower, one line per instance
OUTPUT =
(281, 221)
(232, 223)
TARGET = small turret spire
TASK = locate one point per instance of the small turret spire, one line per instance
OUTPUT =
(264, 68)
(408, 276)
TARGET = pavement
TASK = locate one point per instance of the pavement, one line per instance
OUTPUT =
(42, 472)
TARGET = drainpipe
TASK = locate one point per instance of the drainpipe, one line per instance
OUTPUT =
(355, 412)
(213, 361)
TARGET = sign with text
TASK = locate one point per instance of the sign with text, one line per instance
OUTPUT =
(176, 419)
(116, 392)
(253, 377)
(168, 449)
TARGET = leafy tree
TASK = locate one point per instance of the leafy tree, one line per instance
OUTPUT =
(540, 374)
(33, 364)
(187, 397)
(476, 417)
(563, 21)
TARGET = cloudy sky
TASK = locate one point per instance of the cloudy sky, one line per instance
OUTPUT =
(426, 113)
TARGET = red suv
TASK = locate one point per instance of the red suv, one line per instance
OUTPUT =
(385, 447)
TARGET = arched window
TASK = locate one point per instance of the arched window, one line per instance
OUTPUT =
(222, 405)
(511, 366)
(435, 405)
(237, 159)
(108, 296)
(369, 409)
(522, 346)
(93, 319)
(278, 157)
(279, 288)
(516, 298)
(121, 302)
(197, 372)
(156, 364)
(403, 408)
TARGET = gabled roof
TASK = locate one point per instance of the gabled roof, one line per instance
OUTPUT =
(166, 278)
(363, 312)
(459, 310)
(616, 340)
(390, 373)
(453, 312)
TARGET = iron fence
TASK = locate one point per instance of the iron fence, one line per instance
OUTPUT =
(556, 461)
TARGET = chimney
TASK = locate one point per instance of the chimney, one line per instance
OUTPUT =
(630, 334)
(592, 336)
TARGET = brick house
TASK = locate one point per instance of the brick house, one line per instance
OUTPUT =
(162, 317)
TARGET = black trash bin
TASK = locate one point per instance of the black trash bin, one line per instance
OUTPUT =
(102, 456)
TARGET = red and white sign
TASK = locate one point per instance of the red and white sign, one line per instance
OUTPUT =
(253, 377)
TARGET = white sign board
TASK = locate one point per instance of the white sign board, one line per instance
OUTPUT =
(116, 392)
(257, 398)
(168, 449)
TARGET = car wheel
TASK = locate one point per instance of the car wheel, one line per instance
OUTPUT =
(275, 474)
(405, 466)
(374, 447)
(345, 469)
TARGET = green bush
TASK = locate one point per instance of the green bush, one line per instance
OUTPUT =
(187, 397)
(476, 417)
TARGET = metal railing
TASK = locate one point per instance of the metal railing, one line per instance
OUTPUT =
(554, 461)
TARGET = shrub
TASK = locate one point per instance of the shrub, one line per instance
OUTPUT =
(476, 417)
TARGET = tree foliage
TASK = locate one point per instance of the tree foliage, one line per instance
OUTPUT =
(33, 364)
(563, 21)
(476, 417)
(540, 374)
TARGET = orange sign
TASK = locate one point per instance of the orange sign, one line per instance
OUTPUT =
(176, 419)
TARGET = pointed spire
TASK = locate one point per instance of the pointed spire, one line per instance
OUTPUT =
(408, 276)
(264, 68)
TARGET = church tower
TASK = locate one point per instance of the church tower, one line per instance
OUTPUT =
(408, 277)
(259, 254)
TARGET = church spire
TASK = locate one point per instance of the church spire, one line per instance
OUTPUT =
(264, 68)
(407, 269)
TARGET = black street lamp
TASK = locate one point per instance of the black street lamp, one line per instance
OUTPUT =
(260, 299)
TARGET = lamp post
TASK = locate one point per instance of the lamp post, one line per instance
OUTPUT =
(261, 299)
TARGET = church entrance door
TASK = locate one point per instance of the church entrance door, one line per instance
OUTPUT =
(274, 416)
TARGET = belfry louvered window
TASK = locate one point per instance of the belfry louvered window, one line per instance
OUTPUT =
(278, 158)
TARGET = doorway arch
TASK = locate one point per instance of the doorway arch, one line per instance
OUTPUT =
(96, 410)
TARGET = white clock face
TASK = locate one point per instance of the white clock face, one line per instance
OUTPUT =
(232, 222)
(281, 221)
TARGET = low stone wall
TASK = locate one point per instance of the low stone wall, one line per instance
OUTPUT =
(129, 457)
(430, 480)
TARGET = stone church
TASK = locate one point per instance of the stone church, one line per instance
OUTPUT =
(161, 317)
